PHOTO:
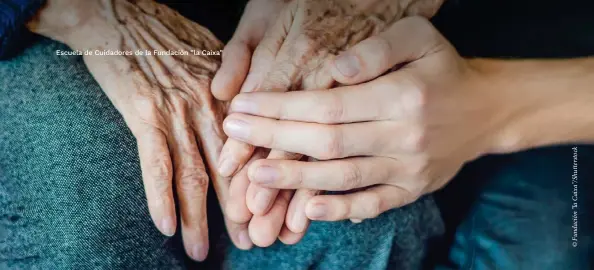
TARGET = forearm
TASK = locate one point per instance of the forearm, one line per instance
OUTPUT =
(546, 102)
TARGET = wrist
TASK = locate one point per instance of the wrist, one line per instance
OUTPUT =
(78, 24)
(541, 102)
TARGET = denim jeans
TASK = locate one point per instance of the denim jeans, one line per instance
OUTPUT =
(517, 211)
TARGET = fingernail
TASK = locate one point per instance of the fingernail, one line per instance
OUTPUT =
(262, 199)
(347, 64)
(237, 129)
(299, 222)
(199, 252)
(266, 175)
(242, 104)
(167, 226)
(317, 211)
(227, 167)
(244, 240)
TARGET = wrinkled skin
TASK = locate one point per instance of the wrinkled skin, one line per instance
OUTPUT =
(295, 54)
(165, 100)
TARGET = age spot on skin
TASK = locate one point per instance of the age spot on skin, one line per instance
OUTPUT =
(335, 26)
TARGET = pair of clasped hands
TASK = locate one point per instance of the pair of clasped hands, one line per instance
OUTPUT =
(311, 112)
(364, 97)
(315, 105)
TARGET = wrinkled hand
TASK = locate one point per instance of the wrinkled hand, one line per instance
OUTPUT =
(164, 99)
(295, 53)
(391, 140)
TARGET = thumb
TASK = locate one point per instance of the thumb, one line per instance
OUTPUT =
(258, 16)
(236, 62)
(405, 41)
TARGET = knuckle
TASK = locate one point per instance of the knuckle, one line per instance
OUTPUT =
(264, 51)
(332, 144)
(193, 180)
(416, 141)
(416, 98)
(161, 179)
(270, 141)
(372, 206)
(263, 55)
(278, 79)
(333, 111)
(303, 50)
(351, 176)
(413, 100)
(298, 178)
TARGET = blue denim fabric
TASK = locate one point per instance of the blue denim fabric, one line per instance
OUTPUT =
(515, 211)
(518, 211)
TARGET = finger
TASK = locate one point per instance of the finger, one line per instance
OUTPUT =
(296, 220)
(234, 69)
(365, 204)
(237, 153)
(324, 141)
(404, 41)
(265, 54)
(334, 175)
(283, 75)
(260, 199)
(265, 229)
(366, 102)
(236, 213)
(238, 53)
(211, 138)
(236, 210)
(236, 207)
(233, 156)
(238, 232)
(157, 173)
(191, 185)
(288, 237)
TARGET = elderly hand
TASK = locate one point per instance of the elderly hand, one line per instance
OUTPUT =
(391, 139)
(293, 55)
(164, 99)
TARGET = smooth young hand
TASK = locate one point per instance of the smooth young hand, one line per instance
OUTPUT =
(394, 138)
(293, 55)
